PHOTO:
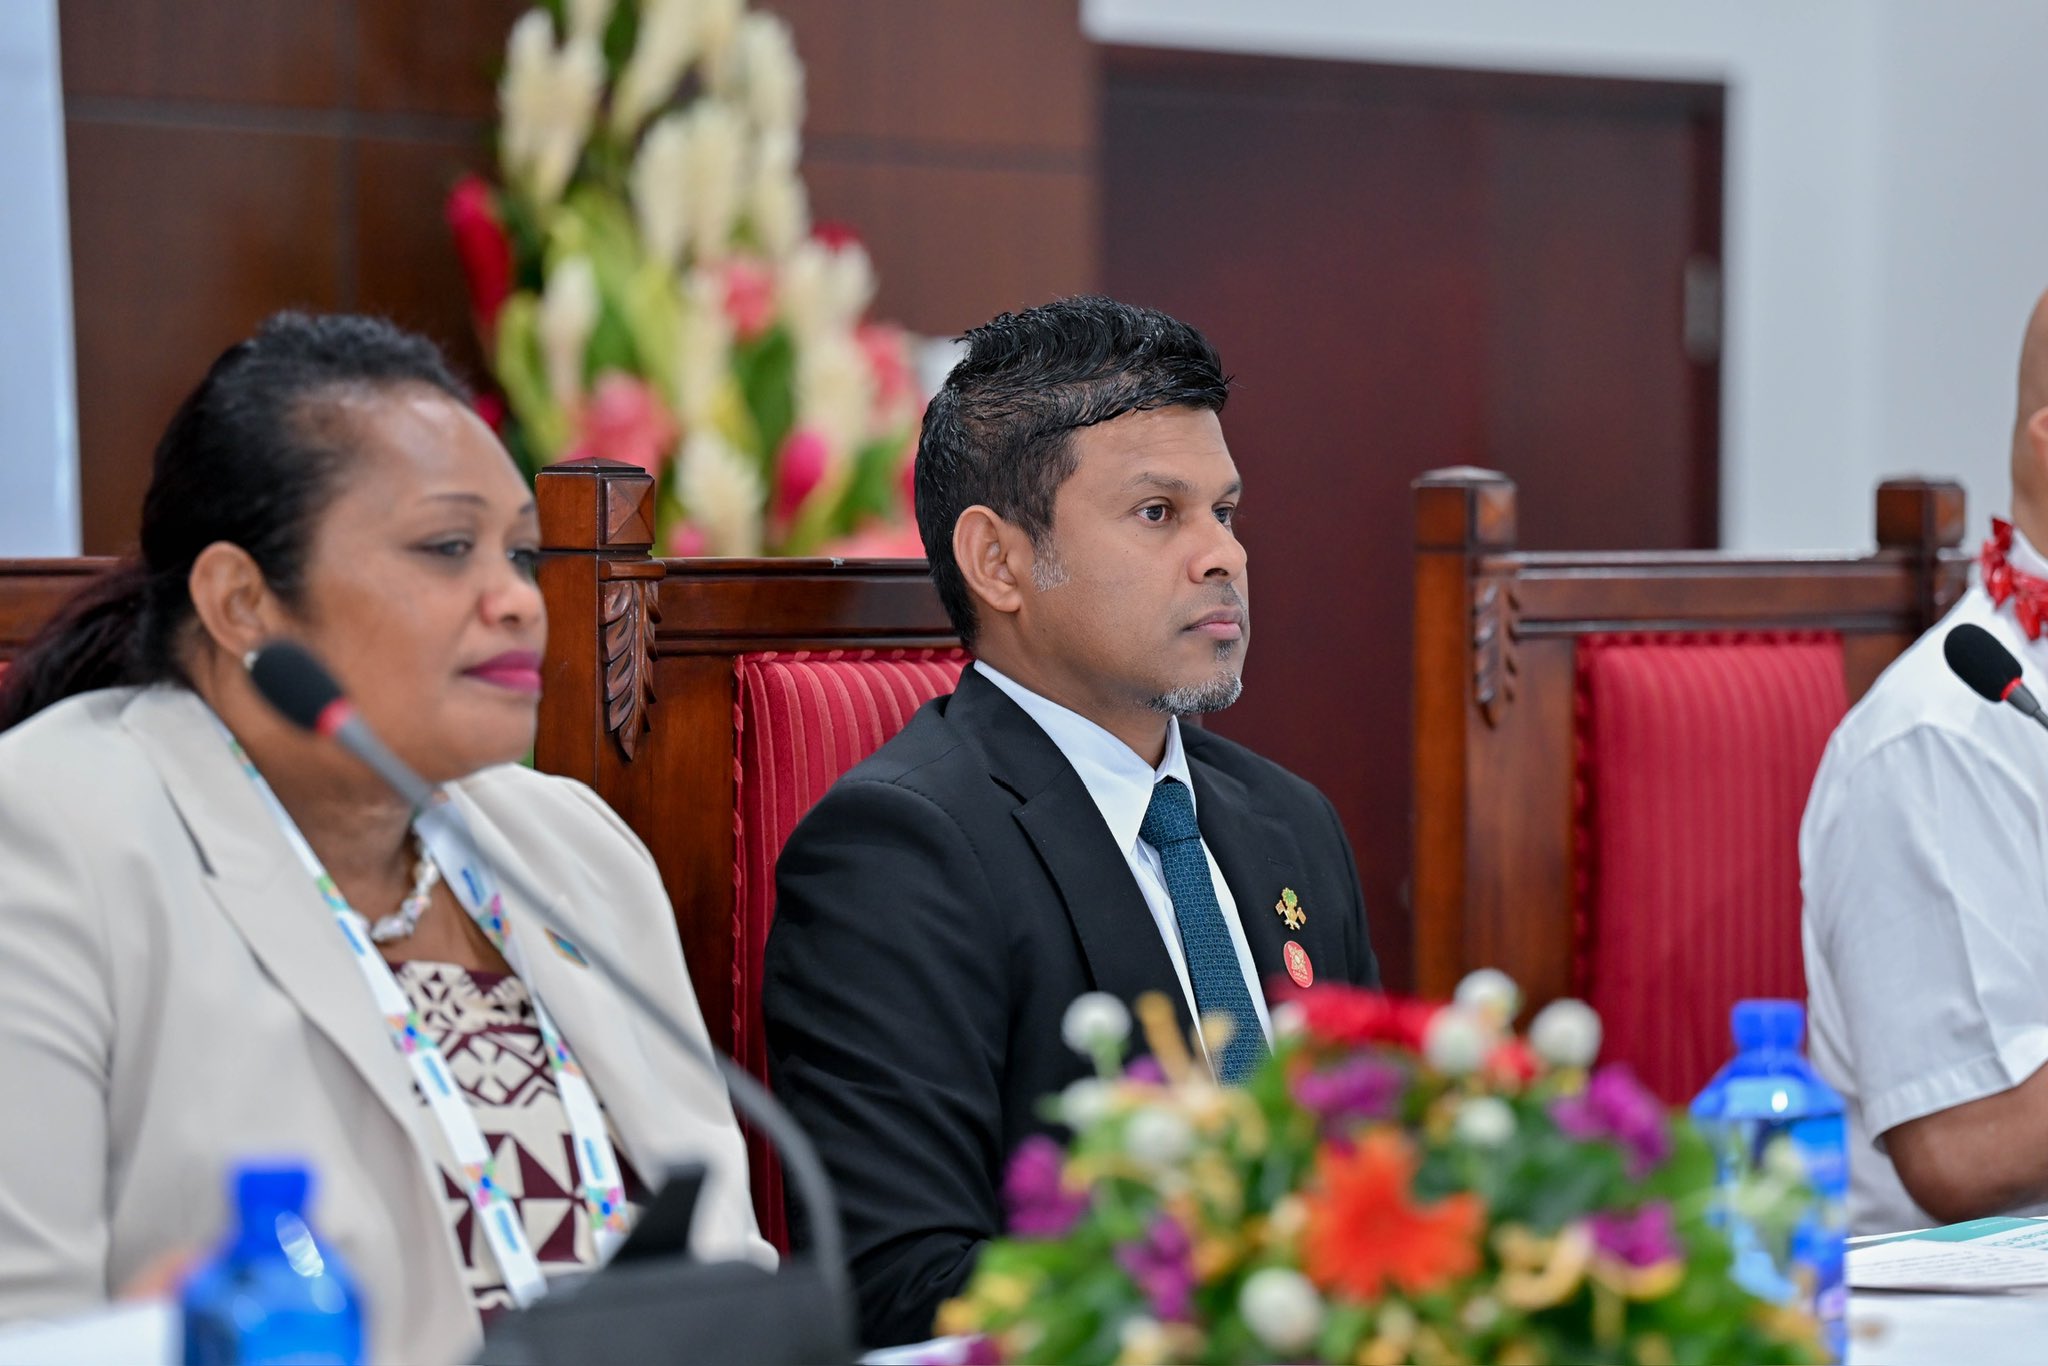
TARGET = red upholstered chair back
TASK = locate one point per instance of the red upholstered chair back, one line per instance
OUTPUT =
(1695, 756)
(1613, 751)
(803, 719)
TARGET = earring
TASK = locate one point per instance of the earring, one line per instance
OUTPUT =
(249, 659)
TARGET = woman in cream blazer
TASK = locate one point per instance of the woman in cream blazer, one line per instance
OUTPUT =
(175, 996)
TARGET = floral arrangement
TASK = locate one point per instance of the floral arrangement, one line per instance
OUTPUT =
(1397, 1182)
(648, 287)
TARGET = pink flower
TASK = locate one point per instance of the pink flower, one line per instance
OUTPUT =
(749, 297)
(799, 468)
(1040, 1205)
(483, 249)
(1644, 1238)
(626, 420)
(686, 539)
(878, 541)
(1614, 1105)
(887, 352)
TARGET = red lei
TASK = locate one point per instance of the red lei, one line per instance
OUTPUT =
(2029, 595)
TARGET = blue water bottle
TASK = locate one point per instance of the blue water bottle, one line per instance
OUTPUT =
(273, 1293)
(1776, 1126)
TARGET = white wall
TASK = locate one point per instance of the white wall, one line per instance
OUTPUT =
(38, 408)
(1887, 209)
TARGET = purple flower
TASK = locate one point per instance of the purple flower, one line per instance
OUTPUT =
(1644, 1238)
(1146, 1070)
(1040, 1206)
(1614, 1105)
(1162, 1265)
(1363, 1088)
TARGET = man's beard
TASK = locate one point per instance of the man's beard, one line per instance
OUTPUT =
(1194, 699)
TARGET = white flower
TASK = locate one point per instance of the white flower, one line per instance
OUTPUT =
(824, 290)
(1484, 1122)
(587, 18)
(1095, 1020)
(658, 183)
(1282, 1308)
(715, 167)
(1157, 1137)
(777, 205)
(1143, 1340)
(703, 350)
(769, 74)
(1289, 1019)
(568, 315)
(722, 493)
(1086, 1103)
(1457, 1041)
(547, 99)
(669, 37)
(1492, 994)
(835, 391)
(1566, 1033)
(717, 21)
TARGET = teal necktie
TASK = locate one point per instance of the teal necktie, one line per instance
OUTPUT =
(1213, 966)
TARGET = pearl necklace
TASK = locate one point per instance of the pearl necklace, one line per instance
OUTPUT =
(406, 919)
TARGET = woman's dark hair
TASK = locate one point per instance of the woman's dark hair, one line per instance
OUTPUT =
(999, 431)
(252, 457)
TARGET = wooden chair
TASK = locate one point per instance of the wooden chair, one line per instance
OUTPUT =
(32, 590)
(1612, 753)
(711, 702)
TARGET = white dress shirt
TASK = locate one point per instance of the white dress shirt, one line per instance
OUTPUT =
(1121, 784)
(1924, 867)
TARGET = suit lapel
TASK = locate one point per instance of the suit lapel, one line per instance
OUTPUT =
(265, 892)
(1118, 936)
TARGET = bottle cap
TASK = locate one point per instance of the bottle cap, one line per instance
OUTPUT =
(278, 1187)
(1773, 1025)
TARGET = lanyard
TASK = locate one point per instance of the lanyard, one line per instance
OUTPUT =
(597, 1166)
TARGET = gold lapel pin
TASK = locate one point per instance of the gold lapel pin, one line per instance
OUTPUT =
(1289, 907)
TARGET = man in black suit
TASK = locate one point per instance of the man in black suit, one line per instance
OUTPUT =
(1049, 829)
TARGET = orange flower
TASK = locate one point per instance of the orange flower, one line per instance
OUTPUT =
(1364, 1232)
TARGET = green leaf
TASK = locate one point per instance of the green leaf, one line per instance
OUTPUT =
(766, 368)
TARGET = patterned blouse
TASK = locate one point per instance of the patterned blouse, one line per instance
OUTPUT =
(485, 1026)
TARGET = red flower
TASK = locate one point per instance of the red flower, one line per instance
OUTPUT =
(1511, 1064)
(483, 248)
(836, 236)
(1365, 1232)
(1352, 1016)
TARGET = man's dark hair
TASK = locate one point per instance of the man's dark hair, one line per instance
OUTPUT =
(999, 431)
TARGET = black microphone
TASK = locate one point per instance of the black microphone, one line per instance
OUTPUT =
(298, 685)
(1989, 668)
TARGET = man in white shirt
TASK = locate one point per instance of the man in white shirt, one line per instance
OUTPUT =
(1050, 828)
(1924, 858)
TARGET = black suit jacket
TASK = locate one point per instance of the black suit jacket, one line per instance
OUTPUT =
(937, 912)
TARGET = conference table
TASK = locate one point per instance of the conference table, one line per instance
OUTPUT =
(1888, 1328)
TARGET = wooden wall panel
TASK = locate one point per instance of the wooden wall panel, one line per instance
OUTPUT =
(960, 141)
(1409, 268)
(240, 223)
(232, 157)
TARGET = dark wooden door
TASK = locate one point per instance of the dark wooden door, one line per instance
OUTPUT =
(1409, 268)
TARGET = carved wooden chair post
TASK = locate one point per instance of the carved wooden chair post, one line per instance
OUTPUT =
(1612, 751)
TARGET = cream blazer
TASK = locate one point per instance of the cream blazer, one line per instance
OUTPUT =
(175, 997)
